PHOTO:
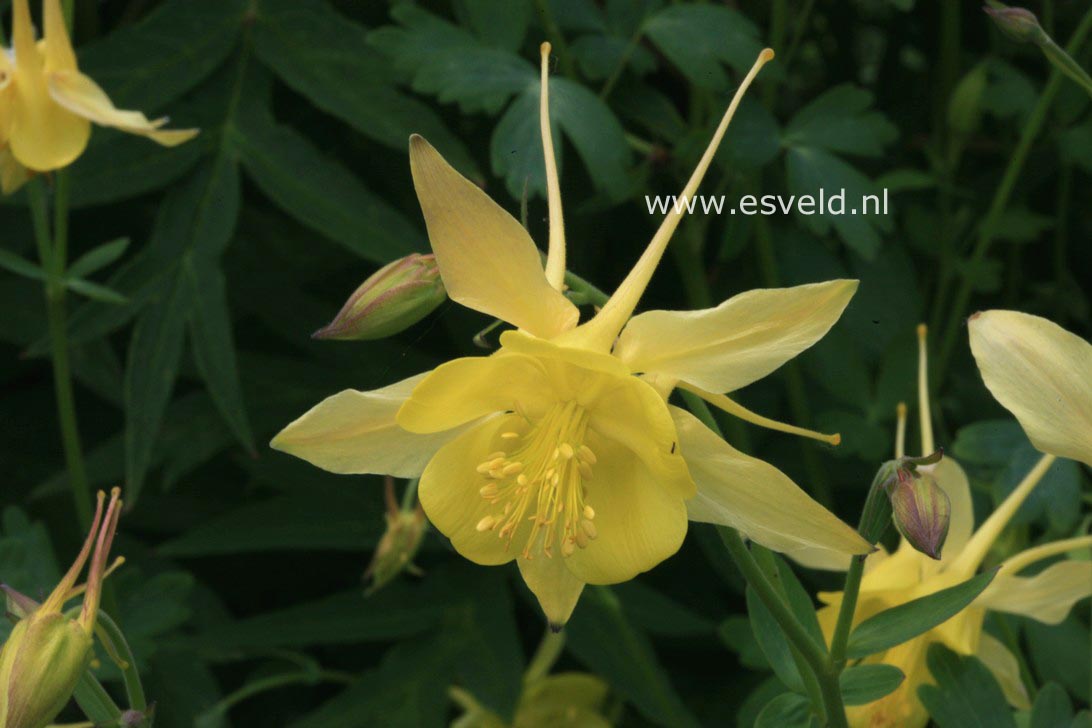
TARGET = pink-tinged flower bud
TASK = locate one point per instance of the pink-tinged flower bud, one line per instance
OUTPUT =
(922, 512)
(47, 652)
(392, 299)
(1019, 24)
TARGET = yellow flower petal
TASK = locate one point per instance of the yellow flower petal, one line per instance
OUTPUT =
(43, 135)
(740, 341)
(450, 493)
(900, 708)
(80, 95)
(487, 260)
(637, 524)
(355, 432)
(1002, 663)
(1047, 597)
(1042, 374)
(755, 497)
(12, 174)
(59, 55)
(468, 388)
(555, 587)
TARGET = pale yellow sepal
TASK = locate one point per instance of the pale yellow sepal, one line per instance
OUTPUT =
(553, 585)
(1042, 374)
(756, 498)
(999, 660)
(740, 341)
(1047, 596)
(355, 432)
(487, 260)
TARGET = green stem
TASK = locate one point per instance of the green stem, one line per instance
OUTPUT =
(52, 254)
(850, 592)
(988, 228)
(549, 649)
(273, 682)
(591, 293)
(619, 67)
(802, 18)
(813, 654)
(134, 688)
(409, 497)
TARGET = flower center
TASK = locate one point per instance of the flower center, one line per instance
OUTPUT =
(541, 480)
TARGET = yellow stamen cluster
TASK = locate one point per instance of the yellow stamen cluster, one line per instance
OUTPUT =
(542, 481)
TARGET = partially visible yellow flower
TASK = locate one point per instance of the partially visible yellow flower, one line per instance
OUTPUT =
(893, 579)
(47, 105)
(573, 699)
(1042, 374)
(560, 450)
(47, 653)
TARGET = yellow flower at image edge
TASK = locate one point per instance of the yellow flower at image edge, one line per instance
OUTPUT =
(560, 450)
(47, 105)
(906, 574)
(47, 652)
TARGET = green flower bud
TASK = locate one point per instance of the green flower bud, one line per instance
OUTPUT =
(399, 544)
(40, 664)
(922, 512)
(1019, 24)
(392, 299)
(47, 652)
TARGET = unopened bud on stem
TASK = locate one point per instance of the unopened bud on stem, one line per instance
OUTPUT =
(391, 300)
(1019, 24)
(921, 511)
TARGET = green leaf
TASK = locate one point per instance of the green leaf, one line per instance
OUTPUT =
(398, 610)
(27, 562)
(904, 622)
(20, 266)
(146, 65)
(736, 633)
(812, 170)
(315, 50)
(449, 63)
(839, 120)
(1052, 707)
(407, 690)
(333, 518)
(597, 135)
(321, 193)
(697, 39)
(498, 23)
(491, 663)
(214, 346)
(1059, 652)
(863, 684)
(119, 166)
(94, 291)
(604, 639)
(788, 710)
(658, 613)
(98, 258)
(965, 695)
(772, 640)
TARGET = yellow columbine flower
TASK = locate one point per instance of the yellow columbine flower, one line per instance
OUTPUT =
(893, 579)
(47, 105)
(1042, 374)
(553, 451)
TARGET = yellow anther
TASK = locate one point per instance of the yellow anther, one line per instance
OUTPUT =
(521, 480)
(568, 547)
(488, 491)
(589, 529)
(486, 523)
(589, 512)
(484, 468)
(499, 454)
(511, 469)
(509, 435)
(585, 471)
(566, 450)
(581, 539)
(587, 455)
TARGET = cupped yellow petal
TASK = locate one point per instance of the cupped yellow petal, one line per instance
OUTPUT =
(43, 135)
(755, 497)
(740, 341)
(1047, 596)
(59, 55)
(487, 260)
(450, 493)
(1042, 374)
(555, 587)
(355, 432)
(465, 389)
(82, 96)
(634, 521)
(1003, 664)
